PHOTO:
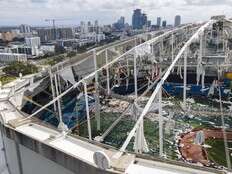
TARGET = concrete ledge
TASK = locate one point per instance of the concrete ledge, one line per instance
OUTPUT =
(67, 161)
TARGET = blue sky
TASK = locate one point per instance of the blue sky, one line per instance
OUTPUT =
(34, 12)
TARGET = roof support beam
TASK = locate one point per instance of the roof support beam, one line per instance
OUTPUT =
(159, 86)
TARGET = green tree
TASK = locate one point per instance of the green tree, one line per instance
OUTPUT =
(71, 54)
(15, 68)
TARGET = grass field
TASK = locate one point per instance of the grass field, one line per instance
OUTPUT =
(217, 153)
(151, 129)
(119, 134)
(6, 79)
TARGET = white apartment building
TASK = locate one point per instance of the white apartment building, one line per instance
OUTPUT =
(47, 48)
(93, 37)
(32, 41)
(11, 57)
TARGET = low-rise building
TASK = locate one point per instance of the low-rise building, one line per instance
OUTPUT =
(93, 37)
(11, 57)
(47, 48)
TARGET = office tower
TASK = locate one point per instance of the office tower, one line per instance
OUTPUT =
(120, 24)
(144, 20)
(121, 20)
(96, 27)
(164, 23)
(149, 23)
(84, 27)
(177, 20)
(158, 21)
(137, 19)
(96, 23)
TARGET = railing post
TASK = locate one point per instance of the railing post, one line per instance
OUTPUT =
(135, 42)
(59, 82)
(185, 78)
(97, 102)
(172, 47)
(138, 146)
(201, 46)
(160, 123)
(135, 75)
(61, 125)
(107, 73)
(87, 110)
(161, 51)
(152, 49)
(53, 90)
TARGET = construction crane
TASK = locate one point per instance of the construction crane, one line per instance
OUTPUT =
(54, 24)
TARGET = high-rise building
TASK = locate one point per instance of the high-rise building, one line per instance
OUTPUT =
(121, 20)
(65, 33)
(47, 34)
(32, 41)
(137, 19)
(96, 23)
(144, 20)
(177, 20)
(84, 28)
(120, 24)
(158, 21)
(34, 44)
(96, 27)
(25, 28)
(164, 23)
(90, 27)
(149, 23)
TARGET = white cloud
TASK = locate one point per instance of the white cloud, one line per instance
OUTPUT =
(107, 11)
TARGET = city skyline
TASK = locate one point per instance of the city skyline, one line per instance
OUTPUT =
(34, 12)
